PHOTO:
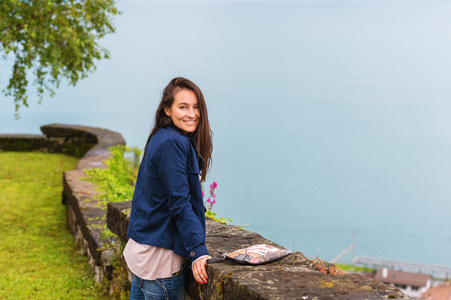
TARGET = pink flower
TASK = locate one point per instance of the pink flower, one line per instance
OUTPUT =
(211, 199)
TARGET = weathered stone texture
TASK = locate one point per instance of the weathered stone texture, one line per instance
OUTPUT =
(76, 140)
(118, 214)
(294, 277)
(94, 142)
(87, 212)
(23, 142)
(86, 217)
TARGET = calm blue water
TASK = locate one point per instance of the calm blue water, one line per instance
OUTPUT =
(329, 116)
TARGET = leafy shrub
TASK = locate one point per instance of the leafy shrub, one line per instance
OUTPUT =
(116, 183)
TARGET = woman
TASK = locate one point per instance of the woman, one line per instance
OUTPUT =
(167, 220)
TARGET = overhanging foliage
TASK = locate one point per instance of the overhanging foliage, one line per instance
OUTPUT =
(55, 39)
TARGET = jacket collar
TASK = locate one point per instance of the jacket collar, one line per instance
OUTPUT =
(178, 130)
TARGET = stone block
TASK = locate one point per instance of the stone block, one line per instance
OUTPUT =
(117, 218)
(98, 139)
(23, 143)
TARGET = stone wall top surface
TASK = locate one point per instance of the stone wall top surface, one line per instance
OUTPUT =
(22, 136)
(102, 140)
(293, 277)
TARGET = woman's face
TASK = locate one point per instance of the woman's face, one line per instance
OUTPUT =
(184, 111)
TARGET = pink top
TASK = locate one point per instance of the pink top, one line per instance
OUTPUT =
(150, 262)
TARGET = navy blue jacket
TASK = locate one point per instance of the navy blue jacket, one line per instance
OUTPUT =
(167, 207)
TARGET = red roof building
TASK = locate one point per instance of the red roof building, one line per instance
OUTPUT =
(411, 284)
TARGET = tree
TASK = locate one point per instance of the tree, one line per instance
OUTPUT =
(57, 39)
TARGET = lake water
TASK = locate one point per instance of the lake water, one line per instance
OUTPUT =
(329, 117)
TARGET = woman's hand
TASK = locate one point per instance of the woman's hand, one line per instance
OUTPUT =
(199, 271)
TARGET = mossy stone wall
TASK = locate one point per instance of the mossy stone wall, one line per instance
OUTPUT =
(294, 277)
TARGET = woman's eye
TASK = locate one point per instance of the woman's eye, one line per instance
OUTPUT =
(182, 107)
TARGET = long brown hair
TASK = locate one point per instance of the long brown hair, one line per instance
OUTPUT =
(202, 135)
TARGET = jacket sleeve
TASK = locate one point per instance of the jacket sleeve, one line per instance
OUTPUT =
(173, 167)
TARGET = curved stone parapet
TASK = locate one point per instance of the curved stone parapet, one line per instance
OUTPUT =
(85, 214)
(93, 141)
(90, 144)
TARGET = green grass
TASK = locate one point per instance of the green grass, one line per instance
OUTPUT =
(354, 268)
(38, 256)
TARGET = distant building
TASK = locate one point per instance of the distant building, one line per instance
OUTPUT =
(440, 292)
(411, 284)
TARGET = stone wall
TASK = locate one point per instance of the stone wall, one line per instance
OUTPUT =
(294, 277)
(57, 138)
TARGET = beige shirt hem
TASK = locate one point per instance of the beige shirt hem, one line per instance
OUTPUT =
(150, 262)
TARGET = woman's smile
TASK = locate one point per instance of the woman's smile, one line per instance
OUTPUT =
(184, 111)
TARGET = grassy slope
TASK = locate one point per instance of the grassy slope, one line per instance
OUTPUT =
(353, 268)
(38, 256)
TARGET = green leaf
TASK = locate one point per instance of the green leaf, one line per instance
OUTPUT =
(58, 40)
